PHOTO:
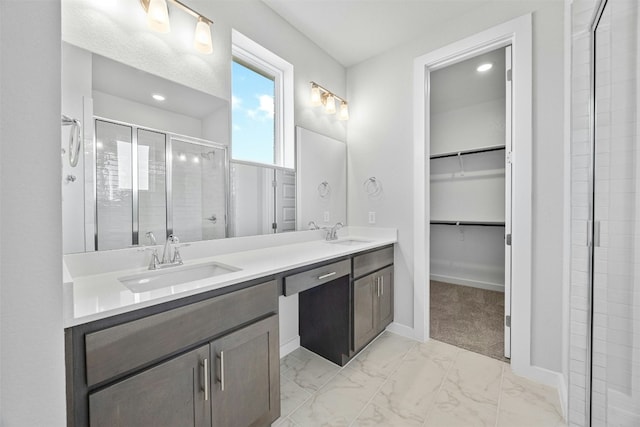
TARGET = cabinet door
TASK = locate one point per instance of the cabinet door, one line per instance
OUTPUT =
(246, 376)
(169, 394)
(385, 298)
(364, 320)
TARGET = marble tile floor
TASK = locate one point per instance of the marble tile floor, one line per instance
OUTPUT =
(396, 381)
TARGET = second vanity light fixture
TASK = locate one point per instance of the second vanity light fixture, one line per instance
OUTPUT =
(158, 20)
(321, 96)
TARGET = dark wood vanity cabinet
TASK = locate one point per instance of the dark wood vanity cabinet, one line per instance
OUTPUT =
(372, 296)
(245, 388)
(212, 362)
(169, 394)
(338, 317)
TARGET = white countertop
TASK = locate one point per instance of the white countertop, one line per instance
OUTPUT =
(93, 291)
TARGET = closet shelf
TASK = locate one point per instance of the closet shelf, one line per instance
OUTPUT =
(469, 151)
(480, 223)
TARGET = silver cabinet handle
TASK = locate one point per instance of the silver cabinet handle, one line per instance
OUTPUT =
(377, 286)
(324, 276)
(222, 371)
(382, 285)
(205, 370)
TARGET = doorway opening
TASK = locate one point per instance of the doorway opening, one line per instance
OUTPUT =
(470, 187)
(516, 224)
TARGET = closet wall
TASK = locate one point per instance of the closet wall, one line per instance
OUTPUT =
(467, 122)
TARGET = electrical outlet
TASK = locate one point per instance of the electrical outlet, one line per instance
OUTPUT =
(327, 217)
(372, 217)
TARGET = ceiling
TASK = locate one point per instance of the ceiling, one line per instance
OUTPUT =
(460, 84)
(123, 81)
(352, 31)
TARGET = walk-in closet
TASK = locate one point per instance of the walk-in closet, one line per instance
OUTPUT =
(470, 199)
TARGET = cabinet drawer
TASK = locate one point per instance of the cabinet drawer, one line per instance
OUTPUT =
(317, 276)
(120, 349)
(372, 261)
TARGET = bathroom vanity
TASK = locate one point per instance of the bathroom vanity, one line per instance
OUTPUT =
(209, 355)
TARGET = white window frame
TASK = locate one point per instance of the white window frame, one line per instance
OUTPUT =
(246, 50)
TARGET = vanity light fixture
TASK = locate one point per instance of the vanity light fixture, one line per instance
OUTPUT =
(202, 39)
(329, 102)
(157, 15)
(322, 96)
(158, 20)
(484, 67)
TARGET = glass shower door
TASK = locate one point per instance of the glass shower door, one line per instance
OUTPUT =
(198, 195)
(615, 345)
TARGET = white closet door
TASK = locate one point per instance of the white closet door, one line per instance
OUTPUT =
(507, 205)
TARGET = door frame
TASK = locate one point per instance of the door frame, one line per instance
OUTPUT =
(517, 33)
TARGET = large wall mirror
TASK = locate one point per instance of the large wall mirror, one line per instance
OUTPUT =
(136, 165)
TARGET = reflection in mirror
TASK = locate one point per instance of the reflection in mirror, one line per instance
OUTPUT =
(149, 164)
(184, 195)
(263, 200)
(322, 179)
(198, 187)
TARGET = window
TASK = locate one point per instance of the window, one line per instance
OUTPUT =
(253, 101)
(262, 105)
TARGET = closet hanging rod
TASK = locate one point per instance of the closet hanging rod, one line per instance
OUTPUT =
(480, 223)
(470, 151)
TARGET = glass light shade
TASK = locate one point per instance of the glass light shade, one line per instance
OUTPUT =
(344, 111)
(330, 104)
(158, 16)
(202, 39)
(316, 97)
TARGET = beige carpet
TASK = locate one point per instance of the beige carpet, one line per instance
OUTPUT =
(467, 317)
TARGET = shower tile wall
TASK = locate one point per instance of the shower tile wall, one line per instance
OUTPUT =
(616, 381)
(582, 12)
(198, 192)
(616, 346)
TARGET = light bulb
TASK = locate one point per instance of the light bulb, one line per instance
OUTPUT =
(316, 98)
(202, 39)
(158, 16)
(344, 111)
(330, 104)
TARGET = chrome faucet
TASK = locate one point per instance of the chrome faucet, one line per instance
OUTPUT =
(332, 233)
(155, 260)
(167, 259)
(313, 225)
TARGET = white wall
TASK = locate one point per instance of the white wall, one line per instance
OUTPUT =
(380, 144)
(32, 390)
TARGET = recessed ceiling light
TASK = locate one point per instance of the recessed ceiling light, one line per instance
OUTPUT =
(484, 67)
(158, 97)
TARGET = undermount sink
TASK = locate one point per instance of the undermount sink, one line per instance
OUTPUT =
(171, 276)
(349, 242)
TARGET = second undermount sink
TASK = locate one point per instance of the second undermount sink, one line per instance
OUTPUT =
(349, 242)
(157, 279)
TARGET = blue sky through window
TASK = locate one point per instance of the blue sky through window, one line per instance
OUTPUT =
(253, 125)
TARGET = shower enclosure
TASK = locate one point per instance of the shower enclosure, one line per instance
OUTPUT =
(159, 182)
(613, 383)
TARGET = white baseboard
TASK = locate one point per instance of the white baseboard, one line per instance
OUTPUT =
(289, 346)
(467, 282)
(563, 394)
(550, 378)
(401, 330)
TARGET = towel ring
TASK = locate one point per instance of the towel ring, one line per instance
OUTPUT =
(324, 189)
(74, 139)
(373, 187)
